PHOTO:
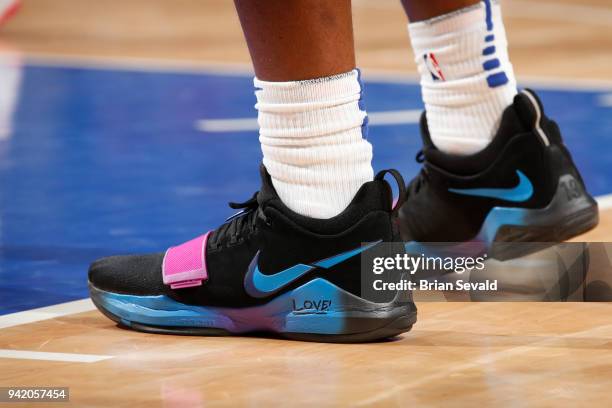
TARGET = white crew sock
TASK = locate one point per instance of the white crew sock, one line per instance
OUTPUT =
(312, 135)
(467, 79)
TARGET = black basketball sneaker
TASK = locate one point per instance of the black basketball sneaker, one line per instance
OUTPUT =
(267, 269)
(524, 187)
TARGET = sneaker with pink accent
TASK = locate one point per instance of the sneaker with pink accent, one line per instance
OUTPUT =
(266, 269)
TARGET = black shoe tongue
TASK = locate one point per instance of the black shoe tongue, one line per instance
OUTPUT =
(511, 122)
(425, 136)
(529, 108)
(267, 191)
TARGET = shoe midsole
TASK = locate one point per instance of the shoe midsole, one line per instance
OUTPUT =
(316, 307)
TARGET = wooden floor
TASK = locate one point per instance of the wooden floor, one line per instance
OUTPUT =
(463, 354)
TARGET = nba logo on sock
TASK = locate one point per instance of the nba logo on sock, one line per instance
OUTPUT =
(434, 68)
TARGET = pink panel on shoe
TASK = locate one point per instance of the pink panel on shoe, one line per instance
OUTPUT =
(184, 265)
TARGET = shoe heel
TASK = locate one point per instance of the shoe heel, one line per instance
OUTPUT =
(571, 212)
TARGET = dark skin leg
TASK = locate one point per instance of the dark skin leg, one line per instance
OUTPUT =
(419, 10)
(292, 40)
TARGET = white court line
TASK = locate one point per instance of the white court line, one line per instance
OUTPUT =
(604, 202)
(45, 313)
(226, 125)
(398, 117)
(605, 100)
(40, 355)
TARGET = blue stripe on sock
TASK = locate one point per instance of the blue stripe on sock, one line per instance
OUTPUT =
(489, 14)
(498, 79)
(361, 87)
(489, 50)
(491, 64)
(365, 128)
(361, 104)
(490, 38)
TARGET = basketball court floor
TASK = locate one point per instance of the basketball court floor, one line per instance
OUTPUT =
(126, 128)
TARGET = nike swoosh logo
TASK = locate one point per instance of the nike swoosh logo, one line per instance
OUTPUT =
(259, 285)
(522, 192)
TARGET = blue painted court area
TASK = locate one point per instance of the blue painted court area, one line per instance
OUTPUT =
(103, 162)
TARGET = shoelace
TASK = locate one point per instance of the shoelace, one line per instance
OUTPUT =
(238, 225)
(419, 181)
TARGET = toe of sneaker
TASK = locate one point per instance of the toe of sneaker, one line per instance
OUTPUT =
(128, 274)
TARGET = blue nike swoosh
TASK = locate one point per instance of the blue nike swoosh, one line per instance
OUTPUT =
(522, 192)
(259, 285)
